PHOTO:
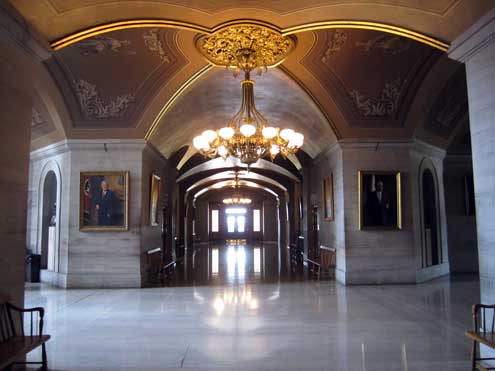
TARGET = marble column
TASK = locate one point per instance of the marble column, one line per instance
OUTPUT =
(15, 131)
(476, 48)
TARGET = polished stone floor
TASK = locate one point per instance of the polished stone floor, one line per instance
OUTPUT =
(237, 263)
(301, 325)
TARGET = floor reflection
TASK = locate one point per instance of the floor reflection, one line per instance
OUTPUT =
(237, 262)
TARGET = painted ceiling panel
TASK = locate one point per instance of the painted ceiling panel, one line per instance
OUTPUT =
(108, 79)
(373, 76)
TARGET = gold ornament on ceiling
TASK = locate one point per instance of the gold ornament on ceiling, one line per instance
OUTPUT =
(245, 47)
(248, 135)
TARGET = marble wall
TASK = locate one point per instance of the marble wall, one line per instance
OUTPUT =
(461, 227)
(98, 258)
(476, 48)
(14, 166)
(331, 232)
(377, 256)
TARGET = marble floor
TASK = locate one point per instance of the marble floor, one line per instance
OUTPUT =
(301, 325)
(237, 263)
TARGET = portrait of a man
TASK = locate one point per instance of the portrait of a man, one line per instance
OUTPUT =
(104, 201)
(379, 200)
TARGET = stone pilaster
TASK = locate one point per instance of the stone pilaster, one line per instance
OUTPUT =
(476, 48)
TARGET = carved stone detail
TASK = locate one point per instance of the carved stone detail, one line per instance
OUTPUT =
(36, 118)
(102, 44)
(334, 45)
(389, 44)
(93, 105)
(385, 104)
(154, 44)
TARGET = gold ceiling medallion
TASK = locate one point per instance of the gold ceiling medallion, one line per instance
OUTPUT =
(248, 136)
(245, 47)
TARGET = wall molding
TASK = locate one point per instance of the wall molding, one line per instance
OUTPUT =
(475, 39)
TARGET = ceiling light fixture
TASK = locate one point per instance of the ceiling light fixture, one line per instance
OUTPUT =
(248, 136)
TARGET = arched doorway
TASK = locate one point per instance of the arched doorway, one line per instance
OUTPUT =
(49, 222)
(432, 246)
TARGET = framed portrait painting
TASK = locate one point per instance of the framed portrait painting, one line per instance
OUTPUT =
(379, 197)
(327, 194)
(155, 200)
(104, 201)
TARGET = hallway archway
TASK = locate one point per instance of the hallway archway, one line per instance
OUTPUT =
(432, 249)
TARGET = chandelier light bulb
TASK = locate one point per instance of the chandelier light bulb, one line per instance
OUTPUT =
(209, 135)
(269, 132)
(200, 142)
(287, 134)
(274, 150)
(222, 151)
(297, 140)
(247, 130)
(226, 133)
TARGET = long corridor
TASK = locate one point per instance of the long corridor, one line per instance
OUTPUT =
(274, 326)
(237, 262)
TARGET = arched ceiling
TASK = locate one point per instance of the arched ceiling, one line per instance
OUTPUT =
(211, 102)
(152, 83)
(443, 19)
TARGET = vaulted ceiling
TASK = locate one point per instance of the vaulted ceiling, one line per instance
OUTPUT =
(339, 82)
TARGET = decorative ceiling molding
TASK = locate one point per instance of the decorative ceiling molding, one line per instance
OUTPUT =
(334, 45)
(450, 107)
(389, 44)
(155, 46)
(104, 44)
(377, 88)
(385, 104)
(140, 23)
(108, 82)
(93, 105)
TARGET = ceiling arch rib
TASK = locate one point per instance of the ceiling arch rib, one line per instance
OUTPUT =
(226, 183)
(230, 175)
(219, 163)
(440, 19)
(147, 23)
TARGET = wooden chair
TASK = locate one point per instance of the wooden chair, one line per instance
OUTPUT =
(14, 342)
(327, 261)
(482, 333)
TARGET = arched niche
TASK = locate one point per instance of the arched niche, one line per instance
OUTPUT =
(430, 226)
(49, 198)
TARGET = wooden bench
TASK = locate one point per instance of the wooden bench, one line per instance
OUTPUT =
(482, 333)
(14, 342)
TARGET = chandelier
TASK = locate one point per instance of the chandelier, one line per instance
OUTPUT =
(237, 201)
(247, 136)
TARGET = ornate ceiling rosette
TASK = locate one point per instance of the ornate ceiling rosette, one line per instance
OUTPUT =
(245, 47)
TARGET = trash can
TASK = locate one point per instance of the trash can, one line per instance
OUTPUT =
(33, 267)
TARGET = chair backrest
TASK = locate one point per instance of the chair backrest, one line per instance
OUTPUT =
(7, 329)
(484, 318)
(327, 256)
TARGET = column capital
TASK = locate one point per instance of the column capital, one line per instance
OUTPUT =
(475, 39)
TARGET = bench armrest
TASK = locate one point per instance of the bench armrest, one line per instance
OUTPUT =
(21, 311)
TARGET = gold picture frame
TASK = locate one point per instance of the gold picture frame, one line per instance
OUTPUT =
(328, 201)
(104, 201)
(155, 188)
(379, 209)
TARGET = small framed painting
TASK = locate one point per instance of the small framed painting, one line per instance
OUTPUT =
(155, 200)
(104, 201)
(327, 194)
(379, 197)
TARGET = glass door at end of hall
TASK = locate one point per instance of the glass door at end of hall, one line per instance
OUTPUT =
(236, 220)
